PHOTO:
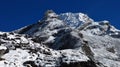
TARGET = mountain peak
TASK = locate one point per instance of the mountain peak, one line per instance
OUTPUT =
(75, 19)
(50, 14)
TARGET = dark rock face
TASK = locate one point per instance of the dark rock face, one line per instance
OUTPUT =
(30, 64)
(117, 35)
(79, 64)
(25, 29)
(69, 40)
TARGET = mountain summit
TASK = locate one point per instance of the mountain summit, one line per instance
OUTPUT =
(62, 40)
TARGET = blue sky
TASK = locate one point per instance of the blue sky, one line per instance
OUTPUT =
(15, 14)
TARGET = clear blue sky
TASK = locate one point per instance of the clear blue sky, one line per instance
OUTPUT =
(15, 14)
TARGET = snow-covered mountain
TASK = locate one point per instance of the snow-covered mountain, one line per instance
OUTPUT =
(62, 40)
(75, 20)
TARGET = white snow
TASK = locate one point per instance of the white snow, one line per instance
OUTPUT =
(3, 48)
(73, 56)
(52, 15)
(16, 58)
(75, 19)
(51, 38)
(24, 40)
(99, 46)
(11, 36)
(2, 64)
(1, 33)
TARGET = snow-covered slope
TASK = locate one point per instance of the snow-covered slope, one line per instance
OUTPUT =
(65, 40)
(18, 50)
(75, 19)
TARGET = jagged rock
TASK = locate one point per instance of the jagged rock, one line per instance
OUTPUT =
(79, 64)
(69, 40)
(3, 50)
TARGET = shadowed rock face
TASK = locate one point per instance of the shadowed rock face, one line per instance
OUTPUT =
(79, 64)
(70, 40)
(65, 40)
(30, 63)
